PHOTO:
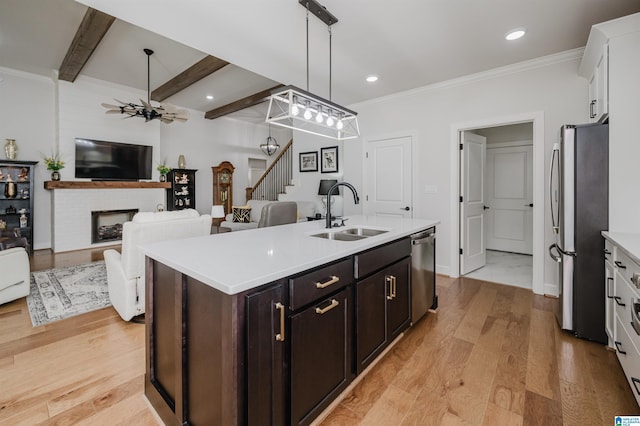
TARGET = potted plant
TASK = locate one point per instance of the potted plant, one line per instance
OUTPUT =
(55, 164)
(163, 169)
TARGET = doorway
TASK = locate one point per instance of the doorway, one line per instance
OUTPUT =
(511, 232)
(502, 185)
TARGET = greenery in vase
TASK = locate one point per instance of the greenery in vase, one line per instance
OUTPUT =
(163, 169)
(54, 163)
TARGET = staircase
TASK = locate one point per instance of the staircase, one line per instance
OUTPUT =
(275, 178)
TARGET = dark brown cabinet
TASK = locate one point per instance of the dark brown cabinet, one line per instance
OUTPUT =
(320, 362)
(182, 194)
(265, 357)
(16, 197)
(383, 302)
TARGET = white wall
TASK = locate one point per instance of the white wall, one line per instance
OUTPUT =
(27, 114)
(551, 87)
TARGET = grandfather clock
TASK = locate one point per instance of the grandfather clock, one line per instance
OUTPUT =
(223, 185)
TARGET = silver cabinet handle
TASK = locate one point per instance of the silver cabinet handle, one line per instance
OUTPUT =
(280, 336)
(391, 280)
(333, 304)
(334, 279)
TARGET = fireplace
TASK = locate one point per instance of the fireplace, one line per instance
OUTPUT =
(106, 225)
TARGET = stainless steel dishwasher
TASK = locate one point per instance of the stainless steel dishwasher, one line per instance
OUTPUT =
(423, 273)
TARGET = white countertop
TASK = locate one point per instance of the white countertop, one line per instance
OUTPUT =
(233, 262)
(629, 243)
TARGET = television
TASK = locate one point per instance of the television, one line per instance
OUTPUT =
(102, 160)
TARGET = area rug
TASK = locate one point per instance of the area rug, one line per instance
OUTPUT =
(65, 292)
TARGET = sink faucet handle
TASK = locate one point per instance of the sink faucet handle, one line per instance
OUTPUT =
(342, 219)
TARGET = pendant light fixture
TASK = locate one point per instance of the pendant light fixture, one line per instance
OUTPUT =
(298, 109)
(270, 146)
(166, 113)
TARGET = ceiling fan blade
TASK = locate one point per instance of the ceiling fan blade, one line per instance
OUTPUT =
(113, 111)
(166, 120)
(123, 103)
(110, 106)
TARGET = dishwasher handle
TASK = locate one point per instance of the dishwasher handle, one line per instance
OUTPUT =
(424, 240)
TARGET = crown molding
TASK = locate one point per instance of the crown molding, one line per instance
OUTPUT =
(543, 61)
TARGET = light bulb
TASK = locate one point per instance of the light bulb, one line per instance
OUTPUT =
(330, 120)
(307, 112)
(319, 117)
(294, 109)
(339, 124)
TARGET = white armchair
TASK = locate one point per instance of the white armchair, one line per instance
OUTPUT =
(14, 280)
(126, 271)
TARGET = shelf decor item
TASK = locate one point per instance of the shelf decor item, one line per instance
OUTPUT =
(10, 189)
(11, 149)
(181, 162)
(54, 164)
(163, 169)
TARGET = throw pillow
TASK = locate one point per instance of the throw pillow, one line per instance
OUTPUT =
(242, 214)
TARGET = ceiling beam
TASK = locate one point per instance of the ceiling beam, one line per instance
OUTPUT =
(241, 104)
(92, 29)
(186, 78)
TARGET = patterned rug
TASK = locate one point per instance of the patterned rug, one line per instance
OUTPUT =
(65, 292)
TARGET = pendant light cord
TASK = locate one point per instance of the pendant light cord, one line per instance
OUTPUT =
(329, 26)
(307, 46)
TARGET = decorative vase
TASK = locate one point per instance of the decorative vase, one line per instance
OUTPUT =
(55, 175)
(10, 149)
(10, 189)
(163, 178)
(181, 162)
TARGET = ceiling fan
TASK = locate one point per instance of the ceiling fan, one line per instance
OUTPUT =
(166, 113)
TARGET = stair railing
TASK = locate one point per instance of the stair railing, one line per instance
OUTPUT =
(275, 178)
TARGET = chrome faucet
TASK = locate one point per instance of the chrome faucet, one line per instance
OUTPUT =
(356, 199)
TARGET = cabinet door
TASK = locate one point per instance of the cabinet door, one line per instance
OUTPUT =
(265, 357)
(610, 310)
(371, 319)
(320, 362)
(398, 299)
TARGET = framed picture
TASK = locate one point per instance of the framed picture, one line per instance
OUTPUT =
(309, 161)
(329, 159)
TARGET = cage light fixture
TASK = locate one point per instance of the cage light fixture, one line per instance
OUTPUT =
(301, 110)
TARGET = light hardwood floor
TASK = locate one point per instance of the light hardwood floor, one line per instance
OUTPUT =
(492, 355)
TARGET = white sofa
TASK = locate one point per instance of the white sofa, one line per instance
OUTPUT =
(305, 209)
(14, 280)
(125, 272)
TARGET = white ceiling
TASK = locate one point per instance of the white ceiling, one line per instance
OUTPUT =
(408, 43)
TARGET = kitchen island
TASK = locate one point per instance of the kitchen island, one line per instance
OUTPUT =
(268, 326)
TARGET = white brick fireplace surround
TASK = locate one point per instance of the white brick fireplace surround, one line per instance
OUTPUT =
(71, 212)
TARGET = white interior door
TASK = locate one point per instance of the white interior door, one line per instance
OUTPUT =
(509, 194)
(387, 177)
(472, 212)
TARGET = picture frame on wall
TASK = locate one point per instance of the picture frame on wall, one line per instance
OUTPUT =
(309, 161)
(329, 159)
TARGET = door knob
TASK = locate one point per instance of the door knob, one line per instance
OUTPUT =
(486, 207)
(529, 205)
(406, 208)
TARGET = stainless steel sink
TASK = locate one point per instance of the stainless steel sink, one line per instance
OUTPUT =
(351, 234)
(365, 232)
(340, 236)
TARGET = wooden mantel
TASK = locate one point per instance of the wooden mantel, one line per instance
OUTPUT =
(78, 184)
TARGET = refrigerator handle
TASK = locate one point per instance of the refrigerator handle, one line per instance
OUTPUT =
(554, 222)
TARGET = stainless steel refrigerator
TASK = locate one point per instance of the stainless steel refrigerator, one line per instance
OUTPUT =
(579, 192)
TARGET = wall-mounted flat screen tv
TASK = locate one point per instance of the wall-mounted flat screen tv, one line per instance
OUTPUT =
(102, 160)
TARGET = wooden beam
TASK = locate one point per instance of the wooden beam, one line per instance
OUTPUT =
(186, 78)
(241, 104)
(93, 27)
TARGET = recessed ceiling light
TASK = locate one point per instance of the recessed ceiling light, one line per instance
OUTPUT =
(515, 34)
(372, 79)
(210, 97)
